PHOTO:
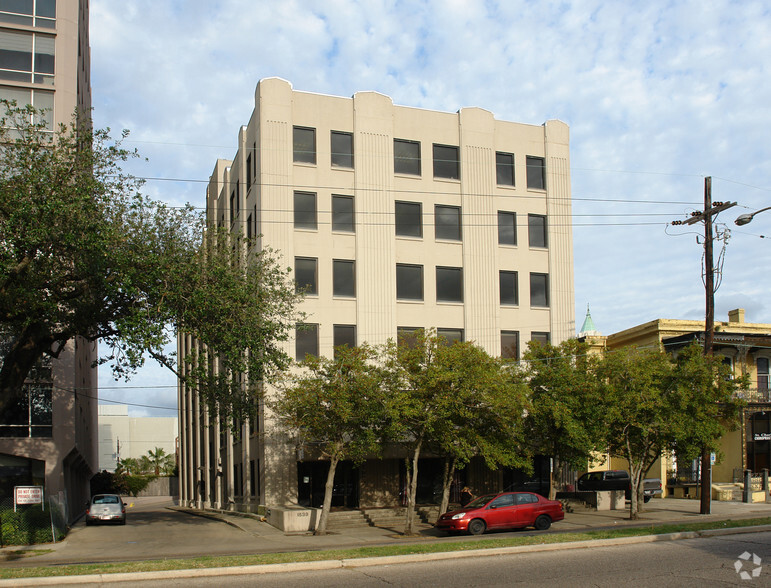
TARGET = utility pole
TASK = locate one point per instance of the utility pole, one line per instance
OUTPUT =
(710, 210)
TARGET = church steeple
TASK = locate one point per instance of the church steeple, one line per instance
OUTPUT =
(588, 329)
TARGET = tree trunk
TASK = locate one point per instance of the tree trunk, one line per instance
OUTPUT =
(635, 475)
(447, 476)
(24, 352)
(321, 527)
(412, 490)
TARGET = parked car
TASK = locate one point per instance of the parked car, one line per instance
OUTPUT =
(106, 508)
(508, 510)
(617, 480)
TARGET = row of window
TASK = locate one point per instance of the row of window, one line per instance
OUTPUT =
(409, 282)
(38, 13)
(408, 219)
(42, 100)
(407, 158)
(307, 338)
(27, 57)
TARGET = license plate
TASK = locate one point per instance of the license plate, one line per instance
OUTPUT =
(105, 517)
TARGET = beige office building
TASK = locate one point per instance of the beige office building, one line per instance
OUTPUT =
(44, 61)
(393, 218)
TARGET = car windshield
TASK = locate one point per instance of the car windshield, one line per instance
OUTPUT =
(480, 501)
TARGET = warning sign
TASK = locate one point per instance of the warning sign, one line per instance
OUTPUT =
(29, 494)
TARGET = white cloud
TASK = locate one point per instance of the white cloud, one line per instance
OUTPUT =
(658, 94)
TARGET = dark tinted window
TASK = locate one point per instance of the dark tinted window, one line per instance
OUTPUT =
(536, 173)
(306, 340)
(304, 144)
(536, 230)
(507, 228)
(451, 336)
(542, 338)
(449, 284)
(408, 219)
(409, 282)
(539, 290)
(447, 222)
(344, 335)
(406, 157)
(342, 214)
(342, 149)
(509, 287)
(305, 274)
(343, 278)
(305, 210)
(510, 344)
(446, 162)
(504, 169)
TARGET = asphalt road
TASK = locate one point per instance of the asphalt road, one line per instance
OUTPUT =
(693, 562)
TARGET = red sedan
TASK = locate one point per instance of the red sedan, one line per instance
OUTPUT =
(509, 510)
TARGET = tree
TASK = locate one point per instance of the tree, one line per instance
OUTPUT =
(84, 254)
(337, 408)
(654, 404)
(486, 415)
(445, 396)
(566, 414)
(160, 462)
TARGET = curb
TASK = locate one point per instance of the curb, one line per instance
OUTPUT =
(368, 561)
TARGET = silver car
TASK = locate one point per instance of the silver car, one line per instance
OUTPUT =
(106, 508)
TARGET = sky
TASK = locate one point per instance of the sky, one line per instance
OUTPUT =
(658, 95)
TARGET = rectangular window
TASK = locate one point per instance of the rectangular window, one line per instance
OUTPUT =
(304, 145)
(762, 364)
(32, 414)
(449, 284)
(507, 228)
(252, 478)
(305, 211)
(447, 222)
(538, 337)
(42, 100)
(536, 173)
(306, 340)
(539, 290)
(306, 274)
(509, 287)
(248, 172)
(446, 162)
(450, 336)
(343, 214)
(406, 157)
(249, 227)
(21, 12)
(233, 205)
(510, 344)
(409, 282)
(504, 169)
(343, 278)
(344, 335)
(407, 336)
(342, 149)
(409, 222)
(536, 230)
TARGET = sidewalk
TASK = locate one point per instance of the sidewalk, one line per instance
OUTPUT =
(657, 511)
(268, 539)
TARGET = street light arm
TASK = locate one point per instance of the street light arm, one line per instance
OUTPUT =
(744, 219)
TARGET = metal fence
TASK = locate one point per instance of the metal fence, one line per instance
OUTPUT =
(34, 523)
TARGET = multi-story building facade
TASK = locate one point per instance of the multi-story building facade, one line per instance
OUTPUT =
(122, 436)
(392, 218)
(746, 347)
(44, 61)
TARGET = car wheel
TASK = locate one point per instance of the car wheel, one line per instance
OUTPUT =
(477, 527)
(542, 523)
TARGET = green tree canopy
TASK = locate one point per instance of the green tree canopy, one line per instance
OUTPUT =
(84, 254)
(566, 415)
(336, 407)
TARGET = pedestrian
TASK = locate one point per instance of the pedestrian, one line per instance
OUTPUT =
(465, 496)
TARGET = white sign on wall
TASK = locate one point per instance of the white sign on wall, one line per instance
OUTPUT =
(27, 495)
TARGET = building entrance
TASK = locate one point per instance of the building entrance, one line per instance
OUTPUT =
(312, 478)
(759, 441)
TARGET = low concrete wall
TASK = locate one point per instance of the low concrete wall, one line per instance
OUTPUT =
(292, 519)
(162, 487)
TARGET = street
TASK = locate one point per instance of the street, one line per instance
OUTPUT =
(693, 562)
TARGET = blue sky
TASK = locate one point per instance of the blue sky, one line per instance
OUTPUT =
(658, 95)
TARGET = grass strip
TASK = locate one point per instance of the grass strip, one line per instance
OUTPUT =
(388, 550)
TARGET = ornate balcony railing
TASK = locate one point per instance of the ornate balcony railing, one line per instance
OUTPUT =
(755, 394)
